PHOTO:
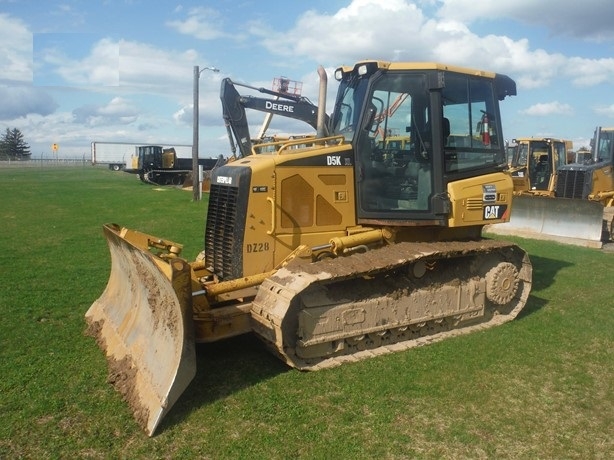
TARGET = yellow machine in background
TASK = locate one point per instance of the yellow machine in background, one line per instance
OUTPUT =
(592, 179)
(570, 205)
(534, 164)
(157, 165)
(331, 248)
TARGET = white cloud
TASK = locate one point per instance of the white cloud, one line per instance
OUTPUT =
(202, 23)
(99, 68)
(15, 50)
(400, 30)
(543, 109)
(590, 19)
(117, 111)
(605, 111)
(359, 31)
(130, 65)
(19, 101)
(146, 66)
(590, 72)
(184, 114)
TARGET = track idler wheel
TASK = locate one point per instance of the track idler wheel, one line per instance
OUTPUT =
(502, 283)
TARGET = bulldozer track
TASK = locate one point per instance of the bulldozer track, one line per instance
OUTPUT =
(408, 344)
(291, 304)
(179, 174)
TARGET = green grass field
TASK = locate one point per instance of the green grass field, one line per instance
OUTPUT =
(541, 386)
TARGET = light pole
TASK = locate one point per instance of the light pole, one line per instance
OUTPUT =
(195, 176)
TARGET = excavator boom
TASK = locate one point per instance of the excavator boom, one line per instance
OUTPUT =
(284, 104)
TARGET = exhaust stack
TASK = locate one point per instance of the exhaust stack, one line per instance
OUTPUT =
(322, 129)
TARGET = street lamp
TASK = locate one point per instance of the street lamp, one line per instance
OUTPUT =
(195, 176)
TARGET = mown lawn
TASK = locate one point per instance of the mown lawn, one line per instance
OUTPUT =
(539, 387)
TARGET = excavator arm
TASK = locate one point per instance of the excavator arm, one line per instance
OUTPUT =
(284, 104)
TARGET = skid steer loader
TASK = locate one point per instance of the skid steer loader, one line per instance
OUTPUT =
(333, 247)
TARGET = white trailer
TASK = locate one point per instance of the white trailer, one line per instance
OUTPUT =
(118, 155)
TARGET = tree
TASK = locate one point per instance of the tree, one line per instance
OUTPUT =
(13, 146)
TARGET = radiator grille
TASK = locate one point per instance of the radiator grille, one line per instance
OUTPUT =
(220, 238)
(570, 184)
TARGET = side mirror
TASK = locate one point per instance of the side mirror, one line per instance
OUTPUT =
(369, 119)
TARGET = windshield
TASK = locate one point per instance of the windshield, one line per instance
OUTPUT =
(473, 140)
(604, 149)
(521, 153)
(393, 149)
(346, 116)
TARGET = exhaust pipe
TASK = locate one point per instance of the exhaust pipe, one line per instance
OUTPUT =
(322, 129)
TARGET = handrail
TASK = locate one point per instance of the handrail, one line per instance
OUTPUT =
(281, 147)
(272, 201)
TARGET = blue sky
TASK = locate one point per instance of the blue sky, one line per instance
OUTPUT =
(77, 71)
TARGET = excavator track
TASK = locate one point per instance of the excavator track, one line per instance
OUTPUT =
(324, 314)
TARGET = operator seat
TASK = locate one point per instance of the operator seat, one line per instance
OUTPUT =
(426, 134)
(542, 172)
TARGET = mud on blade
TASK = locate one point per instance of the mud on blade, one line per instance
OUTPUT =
(143, 322)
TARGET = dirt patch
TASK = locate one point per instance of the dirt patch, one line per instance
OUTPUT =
(93, 329)
(162, 300)
(123, 377)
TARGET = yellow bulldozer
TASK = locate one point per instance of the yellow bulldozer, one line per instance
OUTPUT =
(570, 203)
(326, 247)
(534, 163)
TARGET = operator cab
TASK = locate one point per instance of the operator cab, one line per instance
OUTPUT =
(603, 145)
(414, 130)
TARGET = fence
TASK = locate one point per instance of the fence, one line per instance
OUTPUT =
(45, 163)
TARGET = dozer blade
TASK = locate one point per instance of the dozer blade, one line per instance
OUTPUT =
(143, 322)
(566, 220)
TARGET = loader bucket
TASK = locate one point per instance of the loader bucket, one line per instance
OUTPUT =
(143, 322)
(566, 220)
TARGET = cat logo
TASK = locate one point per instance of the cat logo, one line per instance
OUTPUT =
(333, 160)
(494, 212)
